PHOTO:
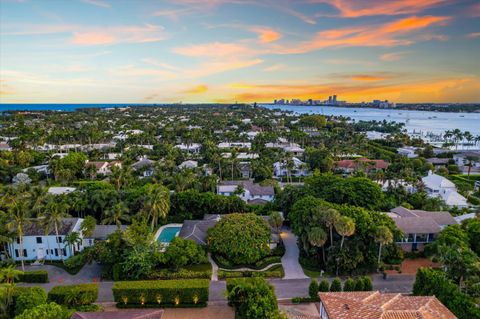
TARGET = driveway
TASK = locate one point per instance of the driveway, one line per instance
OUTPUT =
(290, 263)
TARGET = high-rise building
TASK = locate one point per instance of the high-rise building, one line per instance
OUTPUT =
(334, 99)
(330, 99)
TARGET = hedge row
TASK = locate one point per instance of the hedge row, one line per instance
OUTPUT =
(166, 274)
(274, 272)
(222, 262)
(74, 295)
(34, 276)
(161, 293)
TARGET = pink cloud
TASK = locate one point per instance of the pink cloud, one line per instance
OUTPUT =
(92, 38)
(214, 49)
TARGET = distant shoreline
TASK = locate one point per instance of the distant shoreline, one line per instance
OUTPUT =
(451, 108)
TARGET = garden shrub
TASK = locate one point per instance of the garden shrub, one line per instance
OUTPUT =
(46, 311)
(74, 295)
(367, 283)
(359, 284)
(182, 273)
(28, 298)
(313, 288)
(349, 285)
(336, 285)
(180, 293)
(324, 286)
(34, 276)
(252, 298)
(77, 261)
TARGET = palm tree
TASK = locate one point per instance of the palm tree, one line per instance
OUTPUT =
(275, 220)
(116, 214)
(383, 236)
(317, 237)
(55, 212)
(329, 217)
(471, 159)
(9, 274)
(19, 218)
(71, 240)
(157, 203)
(345, 226)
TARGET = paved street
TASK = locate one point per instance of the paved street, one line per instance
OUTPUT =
(284, 288)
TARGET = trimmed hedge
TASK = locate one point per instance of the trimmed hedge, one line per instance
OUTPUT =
(161, 293)
(74, 295)
(182, 273)
(274, 272)
(28, 298)
(34, 276)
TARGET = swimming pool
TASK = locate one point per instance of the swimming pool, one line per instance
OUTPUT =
(168, 233)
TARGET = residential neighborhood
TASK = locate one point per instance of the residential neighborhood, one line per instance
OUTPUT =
(225, 196)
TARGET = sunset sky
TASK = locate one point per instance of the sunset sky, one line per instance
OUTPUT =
(133, 51)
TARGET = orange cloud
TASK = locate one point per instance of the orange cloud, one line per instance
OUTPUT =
(92, 38)
(388, 35)
(199, 89)
(266, 34)
(215, 50)
(393, 56)
(274, 67)
(129, 34)
(364, 77)
(354, 9)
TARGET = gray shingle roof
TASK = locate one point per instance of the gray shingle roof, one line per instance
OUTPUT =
(254, 188)
(36, 227)
(420, 221)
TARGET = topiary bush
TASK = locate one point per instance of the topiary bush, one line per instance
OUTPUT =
(27, 298)
(367, 283)
(359, 284)
(313, 288)
(349, 285)
(74, 295)
(324, 286)
(336, 285)
(164, 293)
(34, 276)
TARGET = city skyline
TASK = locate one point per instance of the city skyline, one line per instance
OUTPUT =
(101, 51)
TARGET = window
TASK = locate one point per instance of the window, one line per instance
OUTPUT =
(16, 253)
(59, 239)
(56, 252)
(64, 252)
(25, 253)
(39, 240)
(18, 240)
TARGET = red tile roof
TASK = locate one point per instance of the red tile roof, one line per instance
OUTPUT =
(375, 305)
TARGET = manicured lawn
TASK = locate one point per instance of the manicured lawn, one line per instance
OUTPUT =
(311, 273)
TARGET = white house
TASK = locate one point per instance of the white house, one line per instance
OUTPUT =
(104, 168)
(292, 148)
(439, 186)
(191, 148)
(246, 145)
(188, 164)
(408, 151)
(145, 166)
(60, 190)
(299, 168)
(39, 244)
(463, 159)
(251, 191)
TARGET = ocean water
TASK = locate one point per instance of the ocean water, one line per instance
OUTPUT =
(62, 107)
(425, 121)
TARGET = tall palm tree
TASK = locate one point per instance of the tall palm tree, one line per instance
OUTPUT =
(157, 203)
(317, 237)
(345, 226)
(329, 217)
(55, 212)
(383, 236)
(71, 240)
(19, 213)
(116, 214)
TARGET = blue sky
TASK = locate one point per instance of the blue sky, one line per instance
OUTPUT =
(114, 51)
